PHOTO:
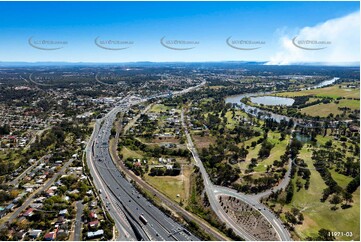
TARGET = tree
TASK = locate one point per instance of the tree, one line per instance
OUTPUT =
(290, 218)
(283, 136)
(14, 193)
(289, 192)
(4, 234)
(353, 185)
(265, 150)
(325, 235)
(5, 129)
(335, 199)
(300, 218)
(299, 184)
(328, 144)
(347, 197)
(113, 131)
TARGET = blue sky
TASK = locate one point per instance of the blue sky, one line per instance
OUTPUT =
(145, 23)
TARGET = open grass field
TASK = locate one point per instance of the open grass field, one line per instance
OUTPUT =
(312, 99)
(353, 104)
(319, 215)
(126, 152)
(332, 92)
(321, 140)
(323, 110)
(171, 186)
(157, 108)
(216, 87)
(203, 142)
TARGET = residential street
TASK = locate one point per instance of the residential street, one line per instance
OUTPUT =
(78, 222)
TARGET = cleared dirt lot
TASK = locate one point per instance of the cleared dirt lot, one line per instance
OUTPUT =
(249, 218)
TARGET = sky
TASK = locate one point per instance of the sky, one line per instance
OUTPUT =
(180, 31)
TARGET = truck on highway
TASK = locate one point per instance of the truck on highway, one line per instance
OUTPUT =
(141, 217)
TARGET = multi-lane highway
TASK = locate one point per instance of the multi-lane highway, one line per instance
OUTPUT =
(135, 217)
(117, 214)
(213, 193)
(155, 225)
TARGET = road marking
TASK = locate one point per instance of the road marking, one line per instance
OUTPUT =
(101, 184)
(274, 220)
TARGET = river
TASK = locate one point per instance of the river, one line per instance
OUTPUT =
(273, 100)
(236, 99)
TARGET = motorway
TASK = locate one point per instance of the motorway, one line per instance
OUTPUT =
(122, 200)
(165, 200)
(117, 214)
(213, 193)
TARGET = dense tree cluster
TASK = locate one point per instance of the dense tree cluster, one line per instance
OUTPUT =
(163, 171)
(5, 129)
(134, 144)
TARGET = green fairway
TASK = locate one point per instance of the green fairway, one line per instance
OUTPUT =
(341, 180)
(278, 150)
(252, 152)
(239, 115)
(318, 214)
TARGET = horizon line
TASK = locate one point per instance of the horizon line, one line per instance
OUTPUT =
(339, 64)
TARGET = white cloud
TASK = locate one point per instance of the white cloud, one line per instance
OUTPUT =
(342, 33)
